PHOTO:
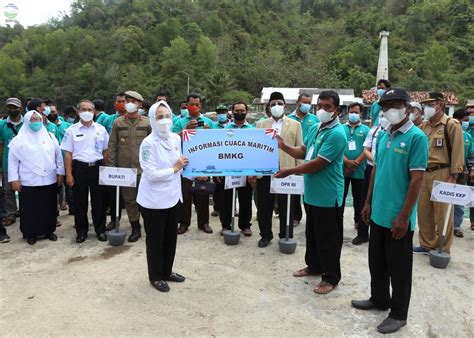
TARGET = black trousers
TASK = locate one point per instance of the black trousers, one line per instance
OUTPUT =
(390, 262)
(69, 198)
(363, 229)
(265, 202)
(201, 201)
(218, 194)
(86, 179)
(161, 237)
(357, 186)
(324, 231)
(244, 194)
(297, 210)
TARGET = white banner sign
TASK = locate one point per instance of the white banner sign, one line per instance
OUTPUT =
(451, 193)
(235, 182)
(293, 185)
(122, 177)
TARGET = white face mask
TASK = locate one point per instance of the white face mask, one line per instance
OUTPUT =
(131, 107)
(384, 122)
(86, 116)
(324, 116)
(278, 111)
(164, 127)
(394, 115)
(413, 117)
(429, 112)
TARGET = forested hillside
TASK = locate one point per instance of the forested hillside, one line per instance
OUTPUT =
(232, 48)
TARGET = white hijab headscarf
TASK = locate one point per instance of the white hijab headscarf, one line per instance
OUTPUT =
(152, 116)
(36, 150)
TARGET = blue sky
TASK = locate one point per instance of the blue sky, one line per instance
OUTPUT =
(35, 12)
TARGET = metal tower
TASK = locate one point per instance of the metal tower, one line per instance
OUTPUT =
(382, 69)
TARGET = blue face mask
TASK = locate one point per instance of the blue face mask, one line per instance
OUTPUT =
(47, 110)
(380, 92)
(305, 108)
(354, 118)
(471, 119)
(184, 112)
(35, 126)
(221, 118)
(465, 125)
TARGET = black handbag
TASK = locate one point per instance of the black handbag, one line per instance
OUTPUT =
(205, 187)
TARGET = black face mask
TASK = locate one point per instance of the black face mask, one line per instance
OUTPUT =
(52, 117)
(13, 113)
(239, 116)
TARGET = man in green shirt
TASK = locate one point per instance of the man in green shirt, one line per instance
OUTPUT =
(354, 167)
(9, 128)
(470, 111)
(323, 152)
(303, 115)
(382, 86)
(108, 122)
(100, 116)
(390, 207)
(44, 110)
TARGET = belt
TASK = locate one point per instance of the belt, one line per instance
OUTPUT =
(437, 167)
(87, 164)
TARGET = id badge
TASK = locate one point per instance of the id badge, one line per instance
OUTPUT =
(309, 154)
(439, 142)
(352, 145)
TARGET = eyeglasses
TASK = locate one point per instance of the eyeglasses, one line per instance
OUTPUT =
(161, 117)
(277, 103)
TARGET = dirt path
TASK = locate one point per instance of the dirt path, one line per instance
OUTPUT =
(65, 289)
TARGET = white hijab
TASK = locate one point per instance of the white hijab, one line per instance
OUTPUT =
(152, 116)
(36, 150)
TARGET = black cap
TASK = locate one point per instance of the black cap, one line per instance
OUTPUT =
(276, 96)
(434, 96)
(395, 94)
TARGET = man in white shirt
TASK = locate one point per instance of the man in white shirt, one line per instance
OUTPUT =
(85, 149)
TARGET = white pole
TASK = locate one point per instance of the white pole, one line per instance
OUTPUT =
(117, 208)
(233, 209)
(445, 229)
(288, 206)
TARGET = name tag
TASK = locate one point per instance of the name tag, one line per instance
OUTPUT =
(439, 142)
(309, 154)
(352, 145)
(79, 137)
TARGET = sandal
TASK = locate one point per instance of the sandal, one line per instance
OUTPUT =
(7, 222)
(302, 273)
(458, 233)
(63, 206)
(324, 288)
(58, 224)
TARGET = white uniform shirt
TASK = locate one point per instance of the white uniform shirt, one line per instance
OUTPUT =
(160, 187)
(371, 141)
(86, 143)
(278, 125)
(17, 171)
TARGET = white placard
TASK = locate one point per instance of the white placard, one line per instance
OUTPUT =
(235, 182)
(122, 177)
(451, 193)
(292, 184)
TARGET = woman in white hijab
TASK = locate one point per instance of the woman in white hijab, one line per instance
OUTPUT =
(159, 194)
(35, 169)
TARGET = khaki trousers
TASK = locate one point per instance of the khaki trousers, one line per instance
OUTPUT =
(431, 214)
(129, 196)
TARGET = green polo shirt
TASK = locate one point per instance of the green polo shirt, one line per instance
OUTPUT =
(183, 122)
(374, 113)
(232, 125)
(6, 135)
(396, 156)
(61, 130)
(467, 145)
(356, 135)
(102, 118)
(325, 188)
(175, 119)
(51, 127)
(306, 122)
(108, 122)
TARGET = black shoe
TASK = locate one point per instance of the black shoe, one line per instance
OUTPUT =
(102, 237)
(365, 305)
(135, 236)
(4, 238)
(110, 226)
(263, 242)
(161, 285)
(176, 277)
(52, 237)
(390, 325)
(31, 241)
(359, 240)
(81, 238)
